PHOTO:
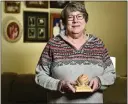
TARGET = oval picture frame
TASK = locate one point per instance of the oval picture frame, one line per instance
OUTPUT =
(12, 30)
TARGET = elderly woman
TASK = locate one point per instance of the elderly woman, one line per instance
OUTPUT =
(69, 55)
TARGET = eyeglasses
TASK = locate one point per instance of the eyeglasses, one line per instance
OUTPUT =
(79, 17)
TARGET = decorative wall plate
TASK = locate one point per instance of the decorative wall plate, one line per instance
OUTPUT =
(12, 29)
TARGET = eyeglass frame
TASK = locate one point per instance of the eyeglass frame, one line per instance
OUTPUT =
(76, 17)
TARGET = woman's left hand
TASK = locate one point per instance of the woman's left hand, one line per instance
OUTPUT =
(95, 84)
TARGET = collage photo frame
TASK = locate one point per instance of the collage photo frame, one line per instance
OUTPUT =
(37, 26)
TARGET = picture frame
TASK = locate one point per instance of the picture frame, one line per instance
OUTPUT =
(37, 4)
(58, 4)
(12, 30)
(12, 6)
(61, 3)
(56, 25)
(36, 26)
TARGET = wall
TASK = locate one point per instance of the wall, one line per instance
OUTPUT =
(107, 20)
(21, 57)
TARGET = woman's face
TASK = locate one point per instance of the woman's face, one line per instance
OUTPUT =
(75, 23)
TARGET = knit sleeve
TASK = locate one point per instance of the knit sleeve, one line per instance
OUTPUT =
(109, 75)
(42, 76)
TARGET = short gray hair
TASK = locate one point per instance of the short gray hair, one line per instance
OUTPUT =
(71, 7)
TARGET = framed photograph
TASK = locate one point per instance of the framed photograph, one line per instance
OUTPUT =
(12, 6)
(58, 4)
(31, 21)
(37, 4)
(41, 21)
(31, 33)
(56, 25)
(12, 30)
(36, 26)
(41, 33)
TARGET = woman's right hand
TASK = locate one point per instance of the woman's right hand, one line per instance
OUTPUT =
(66, 86)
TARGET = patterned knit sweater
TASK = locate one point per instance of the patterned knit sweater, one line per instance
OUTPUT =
(61, 60)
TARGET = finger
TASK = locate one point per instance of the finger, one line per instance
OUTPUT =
(71, 88)
(73, 82)
(94, 86)
(91, 83)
